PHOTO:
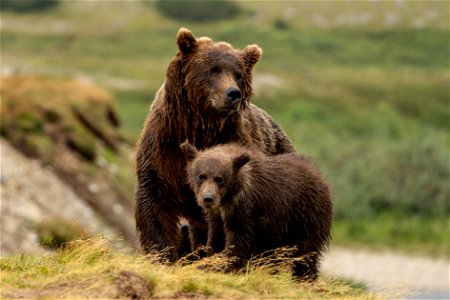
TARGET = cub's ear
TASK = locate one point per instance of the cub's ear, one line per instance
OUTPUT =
(189, 151)
(240, 161)
(251, 55)
(186, 41)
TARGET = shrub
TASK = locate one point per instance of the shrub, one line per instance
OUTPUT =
(27, 5)
(55, 233)
(407, 177)
(281, 24)
(377, 161)
(197, 10)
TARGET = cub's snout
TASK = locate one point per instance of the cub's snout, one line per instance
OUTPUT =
(208, 195)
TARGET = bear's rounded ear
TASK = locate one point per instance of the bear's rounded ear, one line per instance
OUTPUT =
(251, 55)
(186, 41)
(240, 161)
(189, 151)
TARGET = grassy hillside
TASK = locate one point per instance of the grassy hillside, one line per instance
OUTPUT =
(361, 87)
(72, 127)
(94, 269)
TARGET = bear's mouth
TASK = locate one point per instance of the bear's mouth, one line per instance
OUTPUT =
(223, 107)
(232, 107)
(205, 205)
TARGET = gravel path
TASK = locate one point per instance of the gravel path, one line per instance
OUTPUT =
(395, 275)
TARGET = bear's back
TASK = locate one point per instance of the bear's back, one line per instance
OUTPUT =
(290, 200)
(287, 177)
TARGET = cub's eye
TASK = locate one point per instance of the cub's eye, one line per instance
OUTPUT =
(215, 70)
(202, 177)
(218, 180)
(238, 76)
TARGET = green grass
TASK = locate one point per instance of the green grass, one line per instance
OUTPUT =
(364, 91)
(133, 107)
(93, 269)
(410, 235)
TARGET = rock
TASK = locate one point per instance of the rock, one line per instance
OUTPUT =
(132, 286)
(31, 194)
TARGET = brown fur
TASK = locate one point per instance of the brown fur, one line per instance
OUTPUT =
(193, 105)
(262, 202)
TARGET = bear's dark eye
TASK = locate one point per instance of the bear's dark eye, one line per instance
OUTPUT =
(215, 70)
(202, 177)
(218, 179)
(238, 76)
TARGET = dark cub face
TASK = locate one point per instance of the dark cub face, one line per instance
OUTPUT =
(214, 172)
(210, 179)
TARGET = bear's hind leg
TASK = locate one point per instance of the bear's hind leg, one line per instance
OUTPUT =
(306, 269)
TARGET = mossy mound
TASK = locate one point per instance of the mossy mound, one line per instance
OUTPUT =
(37, 112)
(73, 127)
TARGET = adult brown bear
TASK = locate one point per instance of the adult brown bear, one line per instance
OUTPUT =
(205, 100)
(263, 202)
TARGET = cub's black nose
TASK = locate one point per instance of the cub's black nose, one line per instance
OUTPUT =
(233, 95)
(208, 199)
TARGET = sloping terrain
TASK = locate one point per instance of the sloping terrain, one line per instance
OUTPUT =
(71, 128)
(92, 269)
(32, 194)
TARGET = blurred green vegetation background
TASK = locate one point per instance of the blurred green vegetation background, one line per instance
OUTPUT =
(361, 87)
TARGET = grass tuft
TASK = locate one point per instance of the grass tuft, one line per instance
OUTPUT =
(54, 233)
(93, 267)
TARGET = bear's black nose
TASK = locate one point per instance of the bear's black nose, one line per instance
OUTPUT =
(233, 95)
(208, 199)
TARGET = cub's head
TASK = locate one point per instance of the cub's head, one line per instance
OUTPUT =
(213, 173)
(213, 76)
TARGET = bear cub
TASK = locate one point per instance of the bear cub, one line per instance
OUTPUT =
(261, 203)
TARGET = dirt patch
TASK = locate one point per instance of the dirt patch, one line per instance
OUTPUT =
(67, 290)
(132, 286)
(189, 295)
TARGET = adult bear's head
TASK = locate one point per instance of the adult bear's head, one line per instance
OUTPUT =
(209, 76)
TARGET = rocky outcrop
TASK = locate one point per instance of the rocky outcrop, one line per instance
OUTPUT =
(71, 130)
(31, 194)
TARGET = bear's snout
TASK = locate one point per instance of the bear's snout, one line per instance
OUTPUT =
(233, 95)
(208, 199)
(208, 196)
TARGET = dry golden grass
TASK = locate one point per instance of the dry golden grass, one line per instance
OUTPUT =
(95, 269)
